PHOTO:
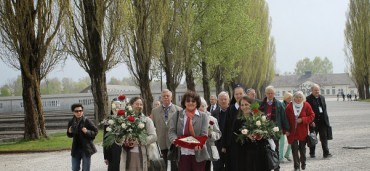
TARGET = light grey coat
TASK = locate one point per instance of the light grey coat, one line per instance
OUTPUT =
(200, 124)
(152, 137)
(213, 135)
(160, 124)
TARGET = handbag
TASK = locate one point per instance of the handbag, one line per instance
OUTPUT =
(272, 158)
(311, 139)
(172, 154)
(156, 162)
(329, 133)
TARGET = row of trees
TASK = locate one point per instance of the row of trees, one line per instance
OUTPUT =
(219, 42)
(357, 45)
(49, 86)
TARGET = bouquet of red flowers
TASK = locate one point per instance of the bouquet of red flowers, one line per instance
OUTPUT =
(124, 127)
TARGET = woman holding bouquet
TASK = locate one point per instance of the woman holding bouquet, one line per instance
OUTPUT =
(134, 154)
(300, 115)
(190, 122)
(252, 153)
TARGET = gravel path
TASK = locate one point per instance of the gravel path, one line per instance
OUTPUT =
(351, 127)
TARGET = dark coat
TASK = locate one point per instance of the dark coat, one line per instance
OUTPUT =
(315, 107)
(112, 154)
(251, 155)
(85, 140)
(209, 108)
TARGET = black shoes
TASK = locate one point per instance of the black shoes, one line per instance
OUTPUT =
(327, 155)
(312, 156)
(303, 167)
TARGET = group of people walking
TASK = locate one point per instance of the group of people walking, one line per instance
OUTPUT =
(295, 117)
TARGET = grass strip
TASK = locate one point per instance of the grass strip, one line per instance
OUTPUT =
(55, 142)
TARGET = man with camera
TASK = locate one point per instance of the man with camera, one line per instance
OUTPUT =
(83, 132)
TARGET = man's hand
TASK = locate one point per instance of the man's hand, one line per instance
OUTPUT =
(84, 130)
(287, 133)
(106, 162)
(70, 129)
(223, 150)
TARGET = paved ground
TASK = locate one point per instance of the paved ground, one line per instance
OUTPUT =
(351, 127)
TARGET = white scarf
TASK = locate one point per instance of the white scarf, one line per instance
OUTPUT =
(297, 108)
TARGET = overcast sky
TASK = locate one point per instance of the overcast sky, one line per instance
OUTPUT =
(301, 28)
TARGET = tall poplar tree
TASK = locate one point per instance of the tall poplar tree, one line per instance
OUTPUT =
(357, 44)
(27, 31)
(95, 33)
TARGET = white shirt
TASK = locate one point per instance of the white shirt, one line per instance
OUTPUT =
(186, 151)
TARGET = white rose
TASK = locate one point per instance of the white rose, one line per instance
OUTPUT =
(263, 118)
(141, 125)
(113, 106)
(275, 129)
(258, 123)
(245, 131)
(108, 129)
(130, 130)
(111, 122)
(123, 125)
(129, 108)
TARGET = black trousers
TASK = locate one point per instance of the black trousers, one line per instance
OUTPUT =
(322, 130)
(277, 151)
(299, 146)
(173, 163)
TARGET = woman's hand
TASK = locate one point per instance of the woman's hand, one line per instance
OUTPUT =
(197, 148)
(299, 120)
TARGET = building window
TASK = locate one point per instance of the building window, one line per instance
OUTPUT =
(327, 91)
(333, 91)
(51, 103)
(86, 101)
(278, 93)
(1, 105)
(322, 91)
(283, 93)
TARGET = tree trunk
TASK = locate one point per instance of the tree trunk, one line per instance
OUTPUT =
(360, 88)
(99, 91)
(367, 93)
(146, 94)
(218, 79)
(34, 122)
(206, 89)
(190, 84)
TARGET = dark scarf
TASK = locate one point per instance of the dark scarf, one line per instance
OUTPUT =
(263, 107)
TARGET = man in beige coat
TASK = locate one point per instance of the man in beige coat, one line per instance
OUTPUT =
(161, 116)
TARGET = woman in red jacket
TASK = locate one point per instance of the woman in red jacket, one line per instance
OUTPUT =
(300, 115)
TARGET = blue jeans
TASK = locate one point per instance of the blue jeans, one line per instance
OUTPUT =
(76, 161)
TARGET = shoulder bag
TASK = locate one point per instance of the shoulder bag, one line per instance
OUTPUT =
(156, 162)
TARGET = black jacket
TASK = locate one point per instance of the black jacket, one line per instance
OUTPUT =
(80, 139)
(112, 154)
(315, 107)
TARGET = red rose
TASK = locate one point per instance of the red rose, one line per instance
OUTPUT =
(211, 123)
(258, 136)
(121, 97)
(121, 112)
(131, 118)
(255, 110)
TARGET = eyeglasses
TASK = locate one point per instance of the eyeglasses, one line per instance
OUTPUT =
(76, 111)
(188, 100)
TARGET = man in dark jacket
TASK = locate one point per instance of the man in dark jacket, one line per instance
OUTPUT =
(83, 132)
(220, 115)
(321, 123)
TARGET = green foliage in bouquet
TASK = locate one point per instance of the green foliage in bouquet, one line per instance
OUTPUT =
(257, 126)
